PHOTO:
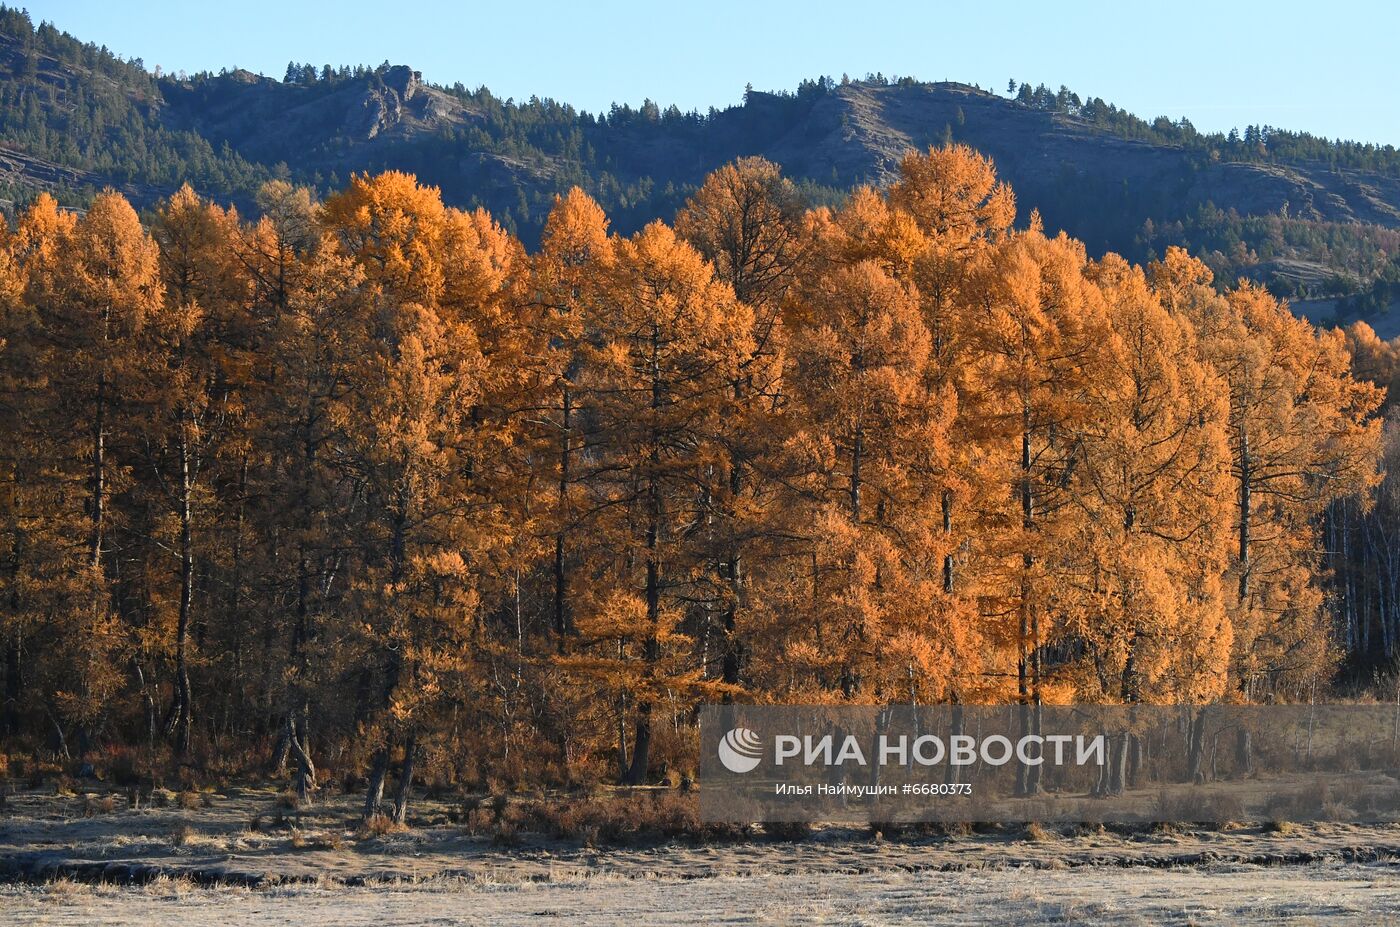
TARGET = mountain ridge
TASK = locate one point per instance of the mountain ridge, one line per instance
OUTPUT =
(1310, 217)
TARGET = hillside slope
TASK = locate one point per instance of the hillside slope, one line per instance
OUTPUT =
(1312, 218)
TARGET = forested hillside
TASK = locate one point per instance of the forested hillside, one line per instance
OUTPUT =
(368, 483)
(1308, 216)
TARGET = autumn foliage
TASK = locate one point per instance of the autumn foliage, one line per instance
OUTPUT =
(363, 481)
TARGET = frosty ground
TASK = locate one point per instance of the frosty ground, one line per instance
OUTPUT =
(236, 857)
(1326, 893)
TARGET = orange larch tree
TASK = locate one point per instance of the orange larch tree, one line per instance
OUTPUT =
(656, 381)
(1039, 340)
(1301, 435)
(747, 220)
(1153, 484)
(94, 284)
(869, 441)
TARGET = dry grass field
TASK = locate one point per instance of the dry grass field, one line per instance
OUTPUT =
(241, 856)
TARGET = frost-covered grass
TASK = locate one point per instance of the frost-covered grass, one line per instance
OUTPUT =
(1329, 894)
(443, 871)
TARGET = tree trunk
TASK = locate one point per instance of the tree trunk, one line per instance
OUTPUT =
(281, 750)
(857, 462)
(14, 642)
(561, 617)
(1195, 749)
(954, 771)
(1033, 773)
(182, 714)
(405, 779)
(374, 792)
(1118, 771)
(947, 535)
(641, 746)
(14, 684)
(731, 661)
(98, 486)
(1245, 489)
(393, 666)
(850, 679)
(1101, 783)
(882, 726)
(734, 574)
(623, 763)
(298, 742)
(1244, 752)
(733, 569)
(1027, 688)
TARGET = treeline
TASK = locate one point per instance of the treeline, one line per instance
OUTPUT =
(1257, 143)
(1380, 296)
(106, 123)
(1339, 257)
(364, 483)
(1362, 539)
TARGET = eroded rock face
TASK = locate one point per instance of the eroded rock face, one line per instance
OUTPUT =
(383, 107)
(403, 80)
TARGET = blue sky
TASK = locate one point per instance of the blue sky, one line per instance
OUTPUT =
(1327, 67)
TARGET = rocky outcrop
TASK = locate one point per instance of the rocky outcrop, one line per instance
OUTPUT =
(383, 107)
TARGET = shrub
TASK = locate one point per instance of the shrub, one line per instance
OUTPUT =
(67, 888)
(98, 805)
(498, 802)
(1335, 811)
(1036, 833)
(724, 831)
(789, 831)
(378, 826)
(331, 840)
(506, 834)
(674, 815)
(180, 834)
(595, 819)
